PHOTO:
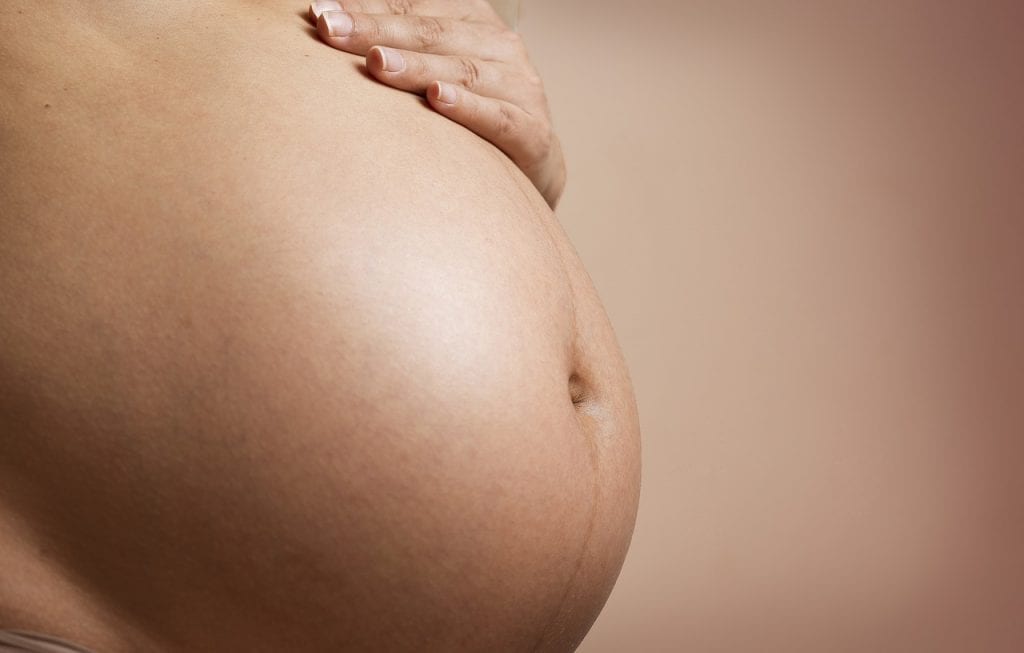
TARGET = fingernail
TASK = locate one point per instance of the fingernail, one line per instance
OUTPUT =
(391, 60)
(338, 23)
(445, 93)
(321, 6)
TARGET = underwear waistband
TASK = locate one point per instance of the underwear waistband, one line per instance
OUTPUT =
(21, 641)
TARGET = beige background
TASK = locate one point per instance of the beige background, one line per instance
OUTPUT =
(807, 223)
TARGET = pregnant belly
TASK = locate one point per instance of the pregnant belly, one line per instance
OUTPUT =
(288, 362)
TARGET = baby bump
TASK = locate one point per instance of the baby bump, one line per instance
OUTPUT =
(344, 389)
(371, 434)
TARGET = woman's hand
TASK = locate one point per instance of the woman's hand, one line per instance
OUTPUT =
(468, 64)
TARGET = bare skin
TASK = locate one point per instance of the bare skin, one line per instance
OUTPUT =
(467, 63)
(288, 361)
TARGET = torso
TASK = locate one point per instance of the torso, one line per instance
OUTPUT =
(287, 360)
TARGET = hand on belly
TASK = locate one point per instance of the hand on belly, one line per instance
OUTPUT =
(466, 62)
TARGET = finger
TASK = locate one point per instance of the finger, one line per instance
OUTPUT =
(523, 137)
(473, 10)
(415, 72)
(319, 7)
(357, 33)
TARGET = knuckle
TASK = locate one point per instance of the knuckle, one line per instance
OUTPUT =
(372, 31)
(508, 122)
(514, 40)
(534, 93)
(534, 98)
(429, 32)
(469, 73)
(399, 7)
(511, 45)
